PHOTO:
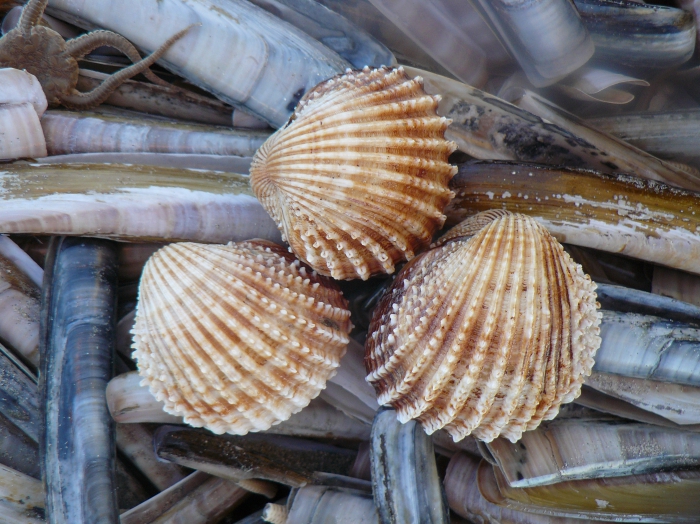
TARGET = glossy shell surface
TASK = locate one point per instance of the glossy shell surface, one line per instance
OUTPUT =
(486, 335)
(357, 180)
(239, 337)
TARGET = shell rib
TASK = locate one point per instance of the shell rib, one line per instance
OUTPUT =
(486, 335)
(239, 337)
(357, 180)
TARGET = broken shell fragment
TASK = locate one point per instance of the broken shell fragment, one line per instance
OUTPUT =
(357, 180)
(236, 338)
(486, 335)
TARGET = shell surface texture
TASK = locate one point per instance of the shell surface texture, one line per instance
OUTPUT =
(237, 337)
(485, 335)
(357, 180)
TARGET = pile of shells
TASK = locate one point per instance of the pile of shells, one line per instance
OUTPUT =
(297, 261)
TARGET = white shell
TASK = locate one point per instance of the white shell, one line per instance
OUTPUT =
(236, 338)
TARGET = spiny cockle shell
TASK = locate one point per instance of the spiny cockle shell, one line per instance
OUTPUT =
(487, 334)
(239, 337)
(357, 180)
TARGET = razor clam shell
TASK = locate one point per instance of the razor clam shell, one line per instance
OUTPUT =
(229, 164)
(124, 337)
(370, 19)
(675, 402)
(332, 30)
(466, 500)
(69, 132)
(148, 511)
(21, 498)
(22, 134)
(323, 504)
(279, 63)
(490, 128)
(617, 213)
(130, 202)
(135, 441)
(405, 480)
(620, 157)
(19, 396)
(19, 312)
(21, 260)
(132, 258)
(288, 460)
(78, 328)
(207, 503)
(676, 284)
(599, 85)
(572, 449)
(546, 37)
(670, 135)
(642, 36)
(599, 401)
(652, 497)
(130, 402)
(17, 450)
(441, 34)
(628, 300)
(169, 102)
(348, 390)
(649, 347)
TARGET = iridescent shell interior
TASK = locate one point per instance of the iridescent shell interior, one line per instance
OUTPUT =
(485, 335)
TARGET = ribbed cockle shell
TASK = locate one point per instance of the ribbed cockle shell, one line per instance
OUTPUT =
(487, 334)
(239, 337)
(357, 180)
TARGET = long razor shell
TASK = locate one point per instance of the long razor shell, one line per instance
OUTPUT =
(648, 347)
(19, 395)
(288, 460)
(236, 337)
(627, 300)
(490, 128)
(405, 480)
(148, 511)
(620, 214)
(671, 135)
(130, 202)
(675, 402)
(466, 500)
(357, 180)
(619, 156)
(169, 102)
(21, 498)
(546, 37)
(19, 311)
(333, 30)
(637, 35)
(78, 325)
(70, 132)
(676, 284)
(571, 449)
(652, 497)
(321, 504)
(240, 53)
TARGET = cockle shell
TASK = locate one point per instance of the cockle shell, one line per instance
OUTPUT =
(486, 335)
(357, 180)
(236, 337)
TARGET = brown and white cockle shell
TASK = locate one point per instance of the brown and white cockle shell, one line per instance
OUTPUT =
(237, 337)
(357, 180)
(485, 335)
